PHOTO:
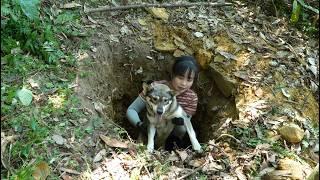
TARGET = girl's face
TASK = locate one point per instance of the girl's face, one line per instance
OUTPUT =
(182, 83)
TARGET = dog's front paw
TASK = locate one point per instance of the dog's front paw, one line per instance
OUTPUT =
(200, 151)
(197, 148)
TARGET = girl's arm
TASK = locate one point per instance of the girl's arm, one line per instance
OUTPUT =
(134, 109)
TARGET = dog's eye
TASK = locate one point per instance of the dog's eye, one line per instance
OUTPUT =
(154, 98)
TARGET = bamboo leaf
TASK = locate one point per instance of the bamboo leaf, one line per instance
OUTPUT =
(296, 9)
(308, 7)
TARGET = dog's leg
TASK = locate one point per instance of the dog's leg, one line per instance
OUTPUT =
(192, 135)
(151, 134)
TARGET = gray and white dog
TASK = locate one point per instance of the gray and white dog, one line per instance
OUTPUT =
(162, 107)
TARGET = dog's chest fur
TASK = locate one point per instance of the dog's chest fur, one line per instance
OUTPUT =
(171, 109)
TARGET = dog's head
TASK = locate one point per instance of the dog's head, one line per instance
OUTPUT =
(159, 97)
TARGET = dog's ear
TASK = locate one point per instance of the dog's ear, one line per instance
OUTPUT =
(146, 88)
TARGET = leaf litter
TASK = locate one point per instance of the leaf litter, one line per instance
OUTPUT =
(259, 105)
(262, 42)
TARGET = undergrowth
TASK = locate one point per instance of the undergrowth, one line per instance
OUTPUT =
(36, 74)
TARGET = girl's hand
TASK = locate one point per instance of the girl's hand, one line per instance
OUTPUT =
(142, 127)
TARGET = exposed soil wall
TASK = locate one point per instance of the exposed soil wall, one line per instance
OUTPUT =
(115, 75)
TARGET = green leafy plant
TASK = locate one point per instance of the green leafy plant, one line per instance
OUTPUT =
(25, 96)
(296, 10)
(301, 15)
(22, 28)
(248, 135)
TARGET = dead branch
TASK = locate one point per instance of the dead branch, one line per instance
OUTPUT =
(228, 135)
(71, 171)
(165, 5)
(192, 172)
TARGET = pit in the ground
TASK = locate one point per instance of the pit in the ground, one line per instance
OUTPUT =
(115, 77)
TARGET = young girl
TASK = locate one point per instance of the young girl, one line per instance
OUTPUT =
(184, 71)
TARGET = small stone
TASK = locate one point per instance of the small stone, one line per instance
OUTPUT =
(273, 63)
(164, 46)
(314, 86)
(149, 57)
(178, 53)
(125, 30)
(192, 26)
(289, 169)
(58, 139)
(100, 155)
(198, 34)
(93, 49)
(291, 133)
(139, 71)
(219, 59)
(142, 22)
(282, 54)
(298, 170)
(83, 120)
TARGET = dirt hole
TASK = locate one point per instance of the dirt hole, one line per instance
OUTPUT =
(115, 75)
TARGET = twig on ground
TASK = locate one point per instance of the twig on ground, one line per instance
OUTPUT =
(147, 171)
(228, 135)
(130, 139)
(165, 5)
(275, 8)
(71, 171)
(289, 101)
(192, 172)
(9, 159)
(304, 101)
(299, 59)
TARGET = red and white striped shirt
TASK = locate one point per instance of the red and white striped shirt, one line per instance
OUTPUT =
(188, 100)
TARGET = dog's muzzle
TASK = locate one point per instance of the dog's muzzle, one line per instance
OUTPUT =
(159, 110)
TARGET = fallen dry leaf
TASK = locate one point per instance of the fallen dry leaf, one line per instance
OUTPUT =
(285, 92)
(160, 13)
(113, 142)
(115, 169)
(227, 55)
(33, 83)
(66, 177)
(240, 174)
(71, 5)
(212, 166)
(99, 107)
(183, 155)
(258, 92)
(4, 142)
(100, 155)
(197, 162)
(173, 157)
(41, 171)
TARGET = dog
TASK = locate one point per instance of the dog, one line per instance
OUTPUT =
(162, 106)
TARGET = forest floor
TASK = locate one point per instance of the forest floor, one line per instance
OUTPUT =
(258, 108)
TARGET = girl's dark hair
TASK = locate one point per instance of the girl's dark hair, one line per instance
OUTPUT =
(183, 64)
